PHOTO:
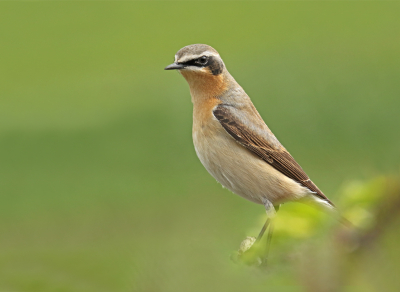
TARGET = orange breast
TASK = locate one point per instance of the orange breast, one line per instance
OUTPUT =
(205, 90)
(204, 84)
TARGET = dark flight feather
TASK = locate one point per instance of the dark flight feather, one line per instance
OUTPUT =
(280, 159)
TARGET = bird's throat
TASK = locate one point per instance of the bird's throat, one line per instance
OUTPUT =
(205, 86)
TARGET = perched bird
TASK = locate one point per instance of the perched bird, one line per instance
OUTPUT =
(233, 142)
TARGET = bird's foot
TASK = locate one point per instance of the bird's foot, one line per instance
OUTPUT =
(249, 252)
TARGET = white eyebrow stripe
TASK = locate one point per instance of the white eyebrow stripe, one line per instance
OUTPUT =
(192, 57)
(208, 53)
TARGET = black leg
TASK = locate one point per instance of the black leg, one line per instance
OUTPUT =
(269, 223)
(271, 212)
(269, 238)
(263, 230)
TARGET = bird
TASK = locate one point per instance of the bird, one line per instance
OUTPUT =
(234, 143)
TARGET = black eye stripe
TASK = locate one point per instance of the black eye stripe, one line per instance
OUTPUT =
(198, 62)
(190, 63)
(216, 67)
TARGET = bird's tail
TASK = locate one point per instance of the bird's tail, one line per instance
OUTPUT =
(328, 207)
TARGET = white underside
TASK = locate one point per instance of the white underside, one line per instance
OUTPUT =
(240, 171)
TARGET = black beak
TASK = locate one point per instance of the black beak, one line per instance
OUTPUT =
(174, 66)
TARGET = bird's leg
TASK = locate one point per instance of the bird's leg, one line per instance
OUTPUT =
(260, 235)
(271, 212)
(259, 254)
(270, 231)
(270, 209)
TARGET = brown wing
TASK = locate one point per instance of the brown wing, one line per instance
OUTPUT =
(279, 158)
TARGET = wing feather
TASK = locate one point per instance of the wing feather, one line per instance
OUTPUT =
(277, 157)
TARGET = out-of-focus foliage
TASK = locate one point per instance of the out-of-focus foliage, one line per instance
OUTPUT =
(332, 251)
(101, 189)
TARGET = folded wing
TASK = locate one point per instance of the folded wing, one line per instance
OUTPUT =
(263, 143)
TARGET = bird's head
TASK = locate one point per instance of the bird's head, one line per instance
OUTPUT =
(202, 68)
(199, 59)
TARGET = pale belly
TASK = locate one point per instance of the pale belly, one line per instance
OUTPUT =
(239, 170)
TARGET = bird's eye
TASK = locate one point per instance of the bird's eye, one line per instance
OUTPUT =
(202, 60)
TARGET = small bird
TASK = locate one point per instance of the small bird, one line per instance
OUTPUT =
(233, 142)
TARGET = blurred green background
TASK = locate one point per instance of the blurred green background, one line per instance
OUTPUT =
(101, 189)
